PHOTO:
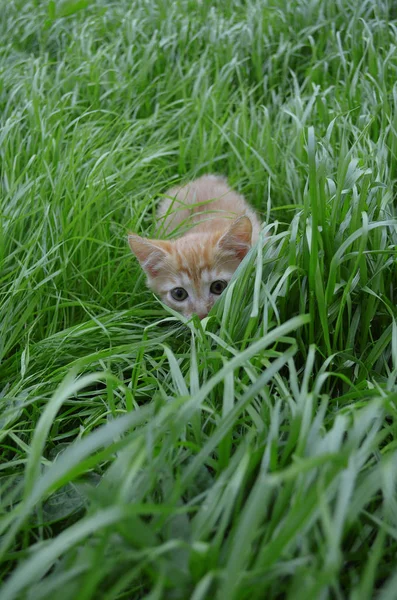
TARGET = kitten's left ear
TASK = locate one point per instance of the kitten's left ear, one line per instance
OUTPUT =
(150, 253)
(237, 238)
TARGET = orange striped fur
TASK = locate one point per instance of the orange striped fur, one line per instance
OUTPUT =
(216, 229)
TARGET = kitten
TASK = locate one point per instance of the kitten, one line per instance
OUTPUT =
(190, 272)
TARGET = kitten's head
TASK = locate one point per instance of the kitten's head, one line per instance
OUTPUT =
(191, 272)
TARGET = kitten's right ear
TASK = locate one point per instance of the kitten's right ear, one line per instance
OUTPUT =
(150, 253)
(237, 239)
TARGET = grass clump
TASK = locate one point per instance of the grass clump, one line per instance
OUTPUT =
(253, 454)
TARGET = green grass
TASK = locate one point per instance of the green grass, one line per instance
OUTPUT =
(253, 455)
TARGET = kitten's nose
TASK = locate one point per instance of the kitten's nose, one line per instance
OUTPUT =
(201, 315)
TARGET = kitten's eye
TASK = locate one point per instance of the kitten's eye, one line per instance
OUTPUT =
(218, 286)
(179, 294)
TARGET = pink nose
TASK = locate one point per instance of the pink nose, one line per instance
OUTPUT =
(202, 315)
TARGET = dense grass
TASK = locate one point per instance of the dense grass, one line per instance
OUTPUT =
(253, 455)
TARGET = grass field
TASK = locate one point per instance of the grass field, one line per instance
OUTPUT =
(250, 456)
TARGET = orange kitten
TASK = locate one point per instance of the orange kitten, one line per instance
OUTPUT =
(190, 272)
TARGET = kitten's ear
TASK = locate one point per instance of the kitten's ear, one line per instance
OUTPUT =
(150, 253)
(237, 238)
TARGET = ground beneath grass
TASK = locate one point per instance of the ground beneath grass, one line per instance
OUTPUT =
(253, 455)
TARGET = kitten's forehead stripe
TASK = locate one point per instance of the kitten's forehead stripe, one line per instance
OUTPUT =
(194, 261)
(194, 266)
